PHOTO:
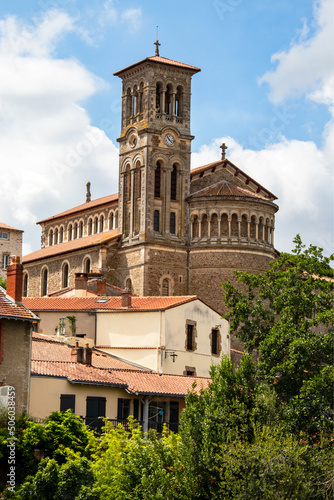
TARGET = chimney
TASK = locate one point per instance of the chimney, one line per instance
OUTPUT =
(74, 353)
(101, 287)
(88, 355)
(126, 298)
(15, 279)
(80, 282)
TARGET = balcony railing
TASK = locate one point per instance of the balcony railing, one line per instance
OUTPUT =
(98, 423)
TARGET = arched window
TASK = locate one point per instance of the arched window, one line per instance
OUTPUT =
(101, 223)
(195, 227)
(65, 275)
(165, 287)
(173, 183)
(56, 237)
(25, 285)
(111, 220)
(234, 226)
(224, 225)
(253, 227)
(158, 97)
(260, 229)
(96, 225)
(204, 226)
(127, 184)
(157, 180)
(81, 229)
(156, 221)
(128, 103)
(267, 231)
(168, 99)
(61, 235)
(44, 282)
(244, 227)
(138, 181)
(86, 266)
(70, 232)
(172, 223)
(75, 231)
(128, 284)
(90, 227)
(135, 100)
(214, 226)
(50, 237)
(179, 101)
(140, 97)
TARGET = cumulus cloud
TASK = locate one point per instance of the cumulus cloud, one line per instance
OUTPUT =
(48, 146)
(132, 17)
(307, 67)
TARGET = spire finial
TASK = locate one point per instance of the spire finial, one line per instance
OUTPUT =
(223, 147)
(156, 43)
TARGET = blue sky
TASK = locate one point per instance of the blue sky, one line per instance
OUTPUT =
(266, 89)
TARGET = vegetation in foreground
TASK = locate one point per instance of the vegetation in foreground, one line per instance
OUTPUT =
(263, 431)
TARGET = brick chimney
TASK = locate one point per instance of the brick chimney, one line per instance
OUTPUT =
(80, 284)
(88, 355)
(101, 287)
(15, 279)
(126, 298)
(81, 354)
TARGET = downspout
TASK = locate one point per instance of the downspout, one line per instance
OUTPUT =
(146, 403)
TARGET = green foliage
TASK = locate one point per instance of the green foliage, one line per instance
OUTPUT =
(3, 283)
(287, 314)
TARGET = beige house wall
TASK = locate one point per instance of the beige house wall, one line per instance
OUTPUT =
(49, 321)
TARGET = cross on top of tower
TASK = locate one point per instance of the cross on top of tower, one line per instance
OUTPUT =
(157, 44)
(223, 147)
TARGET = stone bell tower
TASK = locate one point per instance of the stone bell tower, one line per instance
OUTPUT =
(155, 145)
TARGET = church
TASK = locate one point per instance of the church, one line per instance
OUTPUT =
(169, 230)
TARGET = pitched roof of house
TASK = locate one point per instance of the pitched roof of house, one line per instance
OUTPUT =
(54, 362)
(6, 226)
(105, 303)
(200, 171)
(9, 309)
(225, 189)
(83, 207)
(71, 246)
(162, 60)
(46, 348)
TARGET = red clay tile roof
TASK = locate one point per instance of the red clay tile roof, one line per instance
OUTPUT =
(5, 226)
(224, 163)
(159, 59)
(46, 348)
(9, 309)
(50, 358)
(71, 246)
(225, 189)
(113, 303)
(85, 206)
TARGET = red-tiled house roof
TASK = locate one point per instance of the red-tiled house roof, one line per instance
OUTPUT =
(105, 303)
(9, 309)
(83, 207)
(6, 226)
(72, 246)
(138, 382)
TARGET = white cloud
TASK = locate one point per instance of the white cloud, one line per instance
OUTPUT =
(299, 174)
(307, 67)
(132, 17)
(48, 147)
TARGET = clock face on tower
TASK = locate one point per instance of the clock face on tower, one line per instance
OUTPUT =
(169, 140)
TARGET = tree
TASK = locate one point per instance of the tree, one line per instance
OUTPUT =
(287, 314)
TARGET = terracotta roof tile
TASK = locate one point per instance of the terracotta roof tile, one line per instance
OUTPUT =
(70, 246)
(112, 303)
(84, 206)
(225, 188)
(162, 60)
(11, 310)
(6, 226)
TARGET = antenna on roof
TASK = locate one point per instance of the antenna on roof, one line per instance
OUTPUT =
(156, 43)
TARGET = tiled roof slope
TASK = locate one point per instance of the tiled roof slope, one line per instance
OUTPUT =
(162, 60)
(70, 246)
(49, 349)
(84, 206)
(54, 362)
(113, 303)
(226, 188)
(6, 226)
(9, 309)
